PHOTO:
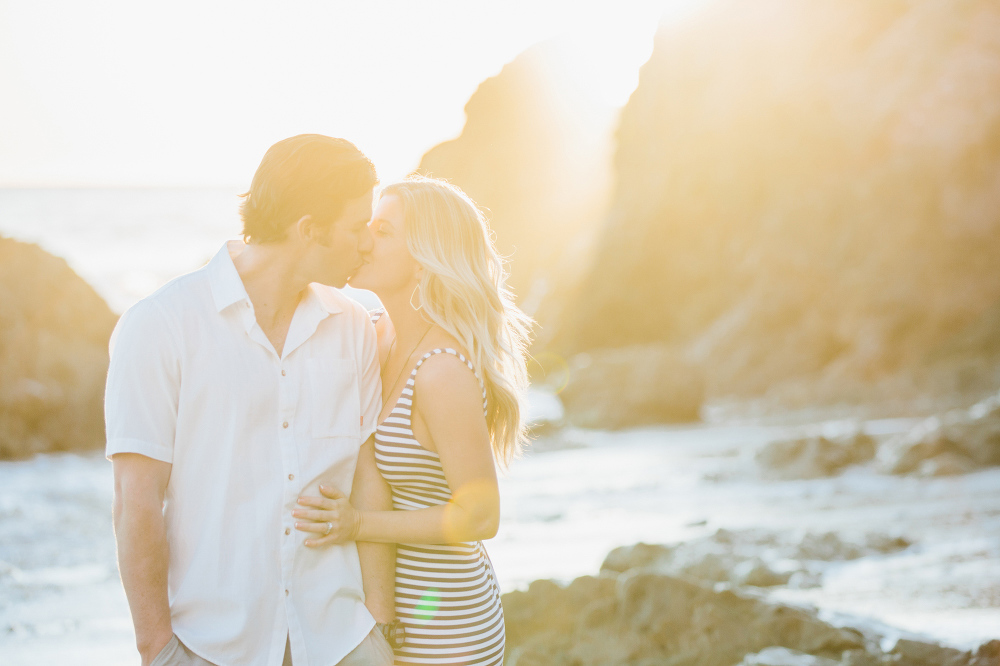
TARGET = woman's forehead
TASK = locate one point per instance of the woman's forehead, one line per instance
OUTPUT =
(389, 208)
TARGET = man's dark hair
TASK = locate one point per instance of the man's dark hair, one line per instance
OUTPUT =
(308, 174)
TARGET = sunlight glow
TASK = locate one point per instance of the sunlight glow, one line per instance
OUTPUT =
(116, 93)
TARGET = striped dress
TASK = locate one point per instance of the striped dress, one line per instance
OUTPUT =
(446, 594)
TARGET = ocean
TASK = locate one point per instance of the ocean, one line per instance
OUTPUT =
(125, 242)
(564, 505)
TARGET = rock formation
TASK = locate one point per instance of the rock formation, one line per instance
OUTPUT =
(807, 197)
(54, 332)
(637, 612)
(753, 557)
(814, 457)
(617, 388)
(535, 152)
(956, 442)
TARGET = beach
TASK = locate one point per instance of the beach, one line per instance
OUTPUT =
(575, 496)
(762, 278)
(61, 600)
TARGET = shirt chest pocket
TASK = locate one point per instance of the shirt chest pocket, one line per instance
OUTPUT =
(335, 406)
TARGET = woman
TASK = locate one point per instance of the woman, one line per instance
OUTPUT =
(452, 345)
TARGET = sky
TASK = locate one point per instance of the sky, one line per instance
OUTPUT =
(114, 93)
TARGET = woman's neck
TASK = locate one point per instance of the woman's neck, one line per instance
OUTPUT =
(409, 324)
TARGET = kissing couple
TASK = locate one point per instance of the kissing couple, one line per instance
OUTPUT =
(297, 480)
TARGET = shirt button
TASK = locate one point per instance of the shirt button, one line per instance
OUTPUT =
(286, 593)
(285, 424)
(287, 531)
(282, 373)
(291, 477)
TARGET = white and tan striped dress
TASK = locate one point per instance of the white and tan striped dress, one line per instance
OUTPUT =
(446, 594)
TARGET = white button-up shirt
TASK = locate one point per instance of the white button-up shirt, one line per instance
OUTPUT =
(195, 382)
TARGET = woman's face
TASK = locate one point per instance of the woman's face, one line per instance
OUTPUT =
(389, 269)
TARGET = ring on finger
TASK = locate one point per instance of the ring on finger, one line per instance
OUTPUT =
(329, 528)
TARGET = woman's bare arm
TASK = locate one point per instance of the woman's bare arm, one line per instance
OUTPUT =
(449, 401)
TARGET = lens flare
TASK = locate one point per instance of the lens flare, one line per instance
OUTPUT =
(428, 606)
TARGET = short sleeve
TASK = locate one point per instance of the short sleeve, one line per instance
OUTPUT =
(141, 396)
(370, 382)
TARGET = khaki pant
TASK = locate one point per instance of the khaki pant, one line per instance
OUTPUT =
(373, 651)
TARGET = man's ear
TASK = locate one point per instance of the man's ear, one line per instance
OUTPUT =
(302, 229)
(310, 232)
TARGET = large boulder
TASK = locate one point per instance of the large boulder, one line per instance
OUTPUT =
(616, 388)
(636, 613)
(806, 196)
(54, 331)
(815, 457)
(644, 617)
(969, 361)
(955, 442)
(988, 654)
(535, 152)
(750, 558)
(919, 653)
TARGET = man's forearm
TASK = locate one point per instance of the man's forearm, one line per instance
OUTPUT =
(378, 575)
(378, 560)
(142, 560)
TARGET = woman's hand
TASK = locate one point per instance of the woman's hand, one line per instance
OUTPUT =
(331, 518)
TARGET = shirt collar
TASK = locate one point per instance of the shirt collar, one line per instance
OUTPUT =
(227, 286)
(326, 298)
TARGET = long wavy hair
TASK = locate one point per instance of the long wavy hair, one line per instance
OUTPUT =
(463, 289)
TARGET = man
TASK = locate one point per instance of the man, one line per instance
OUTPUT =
(232, 391)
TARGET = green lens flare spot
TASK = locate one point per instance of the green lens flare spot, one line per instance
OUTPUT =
(428, 606)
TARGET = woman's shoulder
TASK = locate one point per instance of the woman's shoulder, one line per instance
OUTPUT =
(447, 385)
(443, 344)
(447, 375)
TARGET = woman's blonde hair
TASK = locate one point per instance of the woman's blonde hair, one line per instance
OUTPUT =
(463, 289)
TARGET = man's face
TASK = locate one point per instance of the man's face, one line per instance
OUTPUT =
(340, 252)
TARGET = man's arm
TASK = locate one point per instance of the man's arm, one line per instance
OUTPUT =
(140, 406)
(378, 560)
(140, 485)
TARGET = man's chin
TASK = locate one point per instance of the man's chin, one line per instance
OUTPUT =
(357, 281)
(336, 282)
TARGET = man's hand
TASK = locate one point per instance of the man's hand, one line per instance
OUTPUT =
(332, 518)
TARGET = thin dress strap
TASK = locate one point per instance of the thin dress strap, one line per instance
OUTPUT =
(413, 375)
